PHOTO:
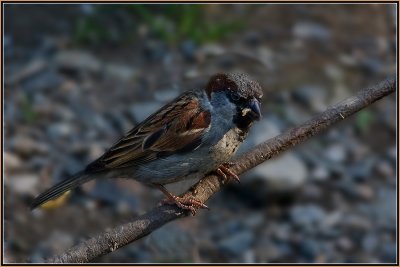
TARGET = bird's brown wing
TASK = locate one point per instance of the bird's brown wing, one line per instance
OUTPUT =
(176, 127)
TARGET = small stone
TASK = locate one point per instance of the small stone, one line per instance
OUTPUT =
(249, 256)
(392, 153)
(140, 111)
(370, 242)
(172, 242)
(348, 60)
(269, 252)
(365, 192)
(235, 244)
(32, 68)
(252, 38)
(334, 73)
(332, 219)
(120, 72)
(254, 220)
(212, 50)
(155, 51)
(11, 162)
(276, 175)
(319, 173)
(344, 244)
(26, 146)
(312, 192)
(266, 56)
(309, 248)
(312, 96)
(385, 168)
(188, 49)
(389, 252)
(356, 222)
(23, 183)
(59, 130)
(371, 66)
(362, 170)
(311, 31)
(87, 9)
(282, 231)
(77, 60)
(336, 153)
(166, 95)
(308, 216)
(44, 81)
(95, 151)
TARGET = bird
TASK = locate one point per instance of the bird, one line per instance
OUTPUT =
(195, 134)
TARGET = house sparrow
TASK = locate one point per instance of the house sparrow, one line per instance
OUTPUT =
(195, 134)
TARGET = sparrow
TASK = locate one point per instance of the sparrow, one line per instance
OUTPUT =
(195, 134)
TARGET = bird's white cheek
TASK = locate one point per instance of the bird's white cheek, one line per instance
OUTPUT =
(245, 111)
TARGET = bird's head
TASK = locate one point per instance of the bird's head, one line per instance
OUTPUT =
(238, 92)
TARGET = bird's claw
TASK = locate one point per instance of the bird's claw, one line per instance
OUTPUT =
(225, 173)
(185, 203)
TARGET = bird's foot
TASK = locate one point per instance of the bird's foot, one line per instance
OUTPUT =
(185, 203)
(225, 173)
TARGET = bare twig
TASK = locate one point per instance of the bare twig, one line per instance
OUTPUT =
(202, 191)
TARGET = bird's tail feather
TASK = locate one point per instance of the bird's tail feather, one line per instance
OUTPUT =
(60, 188)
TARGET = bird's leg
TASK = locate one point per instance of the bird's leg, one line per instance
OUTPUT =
(183, 203)
(224, 172)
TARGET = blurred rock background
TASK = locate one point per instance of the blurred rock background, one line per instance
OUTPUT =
(79, 76)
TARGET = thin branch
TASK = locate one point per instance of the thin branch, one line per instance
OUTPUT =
(203, 190)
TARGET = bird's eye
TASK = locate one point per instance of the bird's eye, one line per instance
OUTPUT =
(235, 97)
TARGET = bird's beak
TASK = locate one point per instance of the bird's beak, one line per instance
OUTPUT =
(255, 107)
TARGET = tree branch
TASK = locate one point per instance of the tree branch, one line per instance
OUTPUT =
(203, 190)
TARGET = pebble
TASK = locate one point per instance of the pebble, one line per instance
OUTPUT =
(269, 251)
(309, 248)
(311, 192)
(252, 38)
(236, 243)
(25, 146)
(188, 49)
(384, 168)
(311, 31)
(44, 81)
(11, 162)
(172, 243)
(254, 220)
(276, 176)
(24, 184)
(59, 130)
(140, 111)
(32, 68)
(77, 60)
(389, 252)
(122, 73)
(365, 192)
(344, 244)
(370, 242)
(312, 96)
(211, 49)
(308, 216)
(361, 170)
(282, 231)
(356, 222)
(155, 51)
(166, 95)
(319, 173)
(336, 153)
